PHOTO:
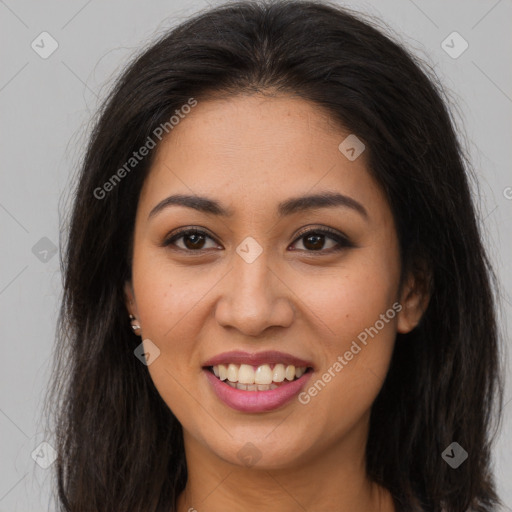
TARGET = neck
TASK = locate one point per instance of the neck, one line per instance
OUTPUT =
(333, 479)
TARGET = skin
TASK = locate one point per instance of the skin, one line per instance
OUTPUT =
(250, 153)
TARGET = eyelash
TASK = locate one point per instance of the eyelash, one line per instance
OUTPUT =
(342, 241)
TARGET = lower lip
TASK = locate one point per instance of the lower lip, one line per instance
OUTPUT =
(257, 401)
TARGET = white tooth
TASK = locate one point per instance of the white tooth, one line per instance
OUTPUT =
(299, 372)
(232, 373)
(290, 372)
(223, 372)
(278, 375)
(264, 378)
(246, 374)
(263, 374)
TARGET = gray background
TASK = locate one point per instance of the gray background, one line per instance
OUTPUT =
(46, 106)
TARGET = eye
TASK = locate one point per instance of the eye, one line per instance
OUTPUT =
(193, 240)
(314, 240)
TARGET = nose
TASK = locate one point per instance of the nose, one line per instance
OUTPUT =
(254, 297)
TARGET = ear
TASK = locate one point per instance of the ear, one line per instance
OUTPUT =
(414, 298)
(129, 299)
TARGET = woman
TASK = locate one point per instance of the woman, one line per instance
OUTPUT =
(276, 295)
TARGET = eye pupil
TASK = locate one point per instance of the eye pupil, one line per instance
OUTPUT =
(198, 240)
(318, 241)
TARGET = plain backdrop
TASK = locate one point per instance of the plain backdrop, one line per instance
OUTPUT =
(46, 105)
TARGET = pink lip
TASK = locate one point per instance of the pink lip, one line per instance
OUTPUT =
(256, 359)
(256, 401)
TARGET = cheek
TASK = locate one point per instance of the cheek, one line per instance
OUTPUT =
(357, 312)
(165, 304)
(168, 297)
(168, 304)
(352, 298)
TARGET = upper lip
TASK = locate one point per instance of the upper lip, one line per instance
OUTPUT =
(257, 359)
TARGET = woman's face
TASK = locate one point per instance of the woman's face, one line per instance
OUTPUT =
(263, 276)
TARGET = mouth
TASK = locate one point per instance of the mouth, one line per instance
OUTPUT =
(257, 382)
(264, 377)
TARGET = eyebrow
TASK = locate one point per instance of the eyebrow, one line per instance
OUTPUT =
(285, 208)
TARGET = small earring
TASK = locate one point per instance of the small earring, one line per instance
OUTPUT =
(135, 326)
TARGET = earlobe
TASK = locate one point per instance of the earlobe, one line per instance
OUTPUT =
(131, 307)
(414, 300)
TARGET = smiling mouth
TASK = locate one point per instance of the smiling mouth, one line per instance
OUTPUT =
(257, 378)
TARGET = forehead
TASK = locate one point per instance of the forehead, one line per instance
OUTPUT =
(253, 150)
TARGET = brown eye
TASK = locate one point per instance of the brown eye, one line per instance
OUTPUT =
(193, 240)
(315, 241)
